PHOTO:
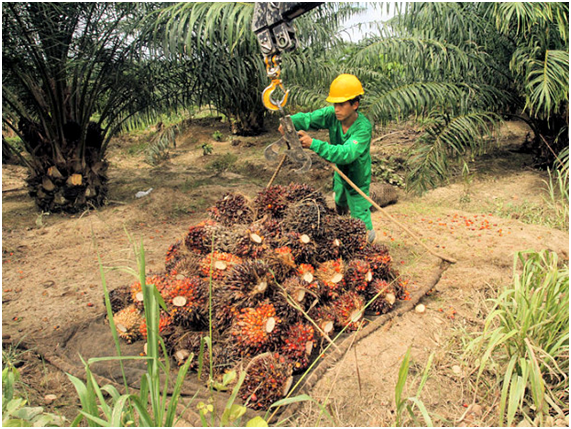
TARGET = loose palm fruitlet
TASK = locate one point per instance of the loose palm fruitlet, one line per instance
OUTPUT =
(273, 274)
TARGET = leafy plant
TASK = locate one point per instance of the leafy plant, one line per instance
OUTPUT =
(385, 169)
(223, 163)
(218, 136)
(133, 407)
(15, 413)
(411, 403)
(207, 148)
(526, 340)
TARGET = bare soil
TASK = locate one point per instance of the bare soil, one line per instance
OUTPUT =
(51, 278)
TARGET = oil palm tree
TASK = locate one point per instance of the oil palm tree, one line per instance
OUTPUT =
(459, 68)
(73, 74)
(216, 40)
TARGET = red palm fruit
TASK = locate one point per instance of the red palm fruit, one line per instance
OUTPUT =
(297, 345)
(306, 272)
(349, 309)
(231, 209)
(165, 325)
(186, 299)
(324, 317)
(195, 240)
(127, 322)
(303, 247)
(272, 201)
(378, 258)
(158, 280)
(384, 296)
(252, 243)
(173, 255)
(330, 275)
(268, 379)
(218, 264)
(256, 329)
(358, 275)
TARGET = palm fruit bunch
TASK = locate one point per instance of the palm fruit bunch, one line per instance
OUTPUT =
(268, 379)
(378, 258)
(305, 217)
(252, 243)
(188, 266)
(249, 283)
(324, 317)
(165, 325)
(221, 238)
(328, 243)
(297, 192)
(349, 309)
(352, 234)
(232, 209)
(358, 275)
(120, 298)
(331, 276)
(186, 299)
(384, 296)
(303, 247)
(265, 265)
(272, 200)
(297, 345)
(184, 344)
(256, 329)
(218, 264)
(158, 280)
(196, 239)
(127, 322)
(281, 263)
(173, 255)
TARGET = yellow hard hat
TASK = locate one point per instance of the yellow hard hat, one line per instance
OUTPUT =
(344, 87)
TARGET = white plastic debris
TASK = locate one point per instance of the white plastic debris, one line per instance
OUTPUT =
(142, 194)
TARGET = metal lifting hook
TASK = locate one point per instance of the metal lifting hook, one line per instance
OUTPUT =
(274, 71)
(267, 99)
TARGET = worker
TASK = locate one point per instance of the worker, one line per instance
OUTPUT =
(349, 145)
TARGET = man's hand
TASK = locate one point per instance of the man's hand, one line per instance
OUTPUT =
(305, 139)
(281, 130)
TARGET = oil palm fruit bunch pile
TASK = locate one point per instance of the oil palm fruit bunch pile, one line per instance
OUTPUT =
(274, 275)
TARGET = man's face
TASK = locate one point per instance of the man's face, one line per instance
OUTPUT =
(345, 110)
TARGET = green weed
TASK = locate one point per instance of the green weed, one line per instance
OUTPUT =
(152, 406)
(223, 163)
(218, 136)
(207, 148)
(15, 412)
(411, 403)
(525, 341)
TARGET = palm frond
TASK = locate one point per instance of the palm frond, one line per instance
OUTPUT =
(446, 140)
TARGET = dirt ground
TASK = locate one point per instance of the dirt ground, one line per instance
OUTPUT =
(51, 278)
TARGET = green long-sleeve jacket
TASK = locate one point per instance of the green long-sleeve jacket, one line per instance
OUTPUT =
(350, 151)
